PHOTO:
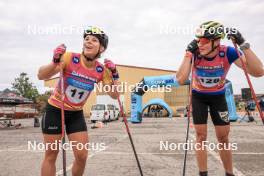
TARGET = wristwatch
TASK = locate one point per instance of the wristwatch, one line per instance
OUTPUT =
(244, 46)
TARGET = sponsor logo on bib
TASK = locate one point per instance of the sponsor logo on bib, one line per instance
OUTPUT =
(76, 60)
(222, 54)
(99, 69)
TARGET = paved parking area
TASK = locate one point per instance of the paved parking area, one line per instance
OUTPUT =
(116, 157)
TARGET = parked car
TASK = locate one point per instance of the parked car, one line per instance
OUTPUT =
(103, 112)
(117, 113)
(111, 110)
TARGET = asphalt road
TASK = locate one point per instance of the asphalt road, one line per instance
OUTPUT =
(111, 153)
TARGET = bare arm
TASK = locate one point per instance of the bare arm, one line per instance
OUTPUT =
(253, 64)
(47, 71)
(184, 70)
(114, 92)
(108, 81)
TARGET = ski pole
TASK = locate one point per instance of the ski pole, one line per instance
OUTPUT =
(62, 121)
(249, 82)
(188, 118)
(130, 137)
(129, 134)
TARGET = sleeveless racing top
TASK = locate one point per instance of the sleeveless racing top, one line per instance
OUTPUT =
(209, 76)
(79, 81)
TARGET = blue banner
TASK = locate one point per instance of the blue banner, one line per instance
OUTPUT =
(230, 102)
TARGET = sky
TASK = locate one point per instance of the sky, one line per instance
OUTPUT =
(148, 33)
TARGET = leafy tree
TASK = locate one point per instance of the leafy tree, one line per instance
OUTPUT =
(24, 87)
(42, 100)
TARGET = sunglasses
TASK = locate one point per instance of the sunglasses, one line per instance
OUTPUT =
(203, 41)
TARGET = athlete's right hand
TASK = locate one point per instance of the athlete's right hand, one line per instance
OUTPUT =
(193, 46)
(58, 52)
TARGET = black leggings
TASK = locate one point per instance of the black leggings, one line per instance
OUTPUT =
(216, 104)
(51, 121)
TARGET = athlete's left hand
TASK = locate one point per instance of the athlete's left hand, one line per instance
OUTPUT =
(235, 35)
(112, 67)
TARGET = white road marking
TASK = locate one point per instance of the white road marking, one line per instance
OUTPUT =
(217, 157)
(170, 153)
(69, 167)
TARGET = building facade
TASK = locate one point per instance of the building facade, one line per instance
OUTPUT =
(129, 77)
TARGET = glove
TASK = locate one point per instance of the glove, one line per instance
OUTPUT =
(58, 52)
(112, 67)
(235, 35)
(192, 47)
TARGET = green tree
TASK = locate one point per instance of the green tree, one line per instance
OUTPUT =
(24, 87)
(42, 100)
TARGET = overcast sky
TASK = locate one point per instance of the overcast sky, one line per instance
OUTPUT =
(148, 33)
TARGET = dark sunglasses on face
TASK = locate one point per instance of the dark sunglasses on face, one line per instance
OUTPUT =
(203, 41)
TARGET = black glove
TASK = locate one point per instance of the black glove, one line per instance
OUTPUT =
(234, 34)
(193, 46)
